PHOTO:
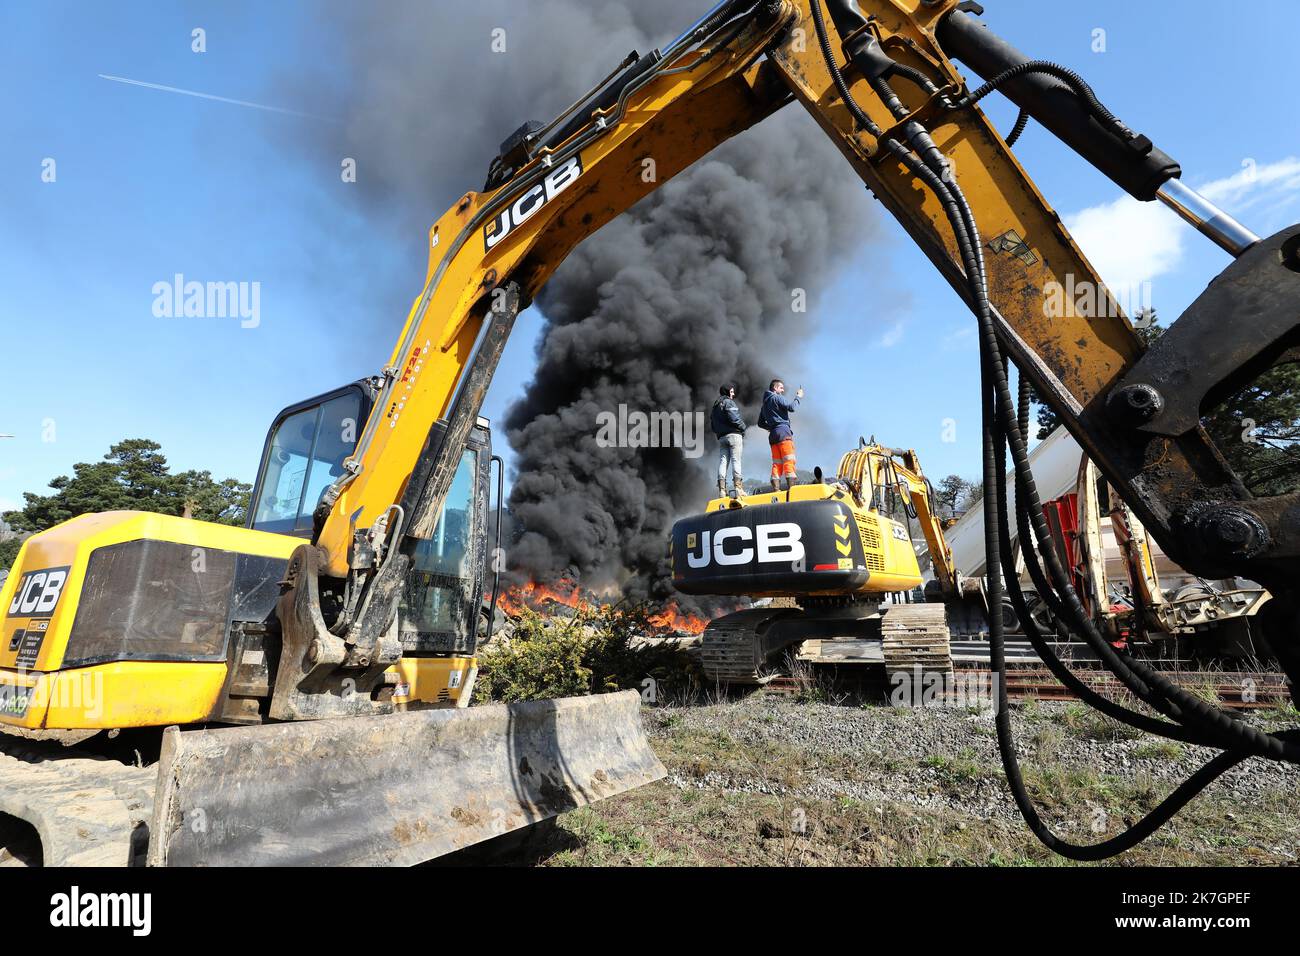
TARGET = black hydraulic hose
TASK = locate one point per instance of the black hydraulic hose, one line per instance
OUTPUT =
(1044, 651)
(1023, 401)
(1154, 690)
(929, 176)
(1049, 657)
(886, 92)
(1071, 79)
(962, 221)
(1147, 685)
(824, 40)
(916, 76)
(1076, 686)
(1048, 654)
(1022, 408)
(1022, 121)
(1211, 722)
(995, 505)
(1073, 613)
(722, 15)
(737, 26)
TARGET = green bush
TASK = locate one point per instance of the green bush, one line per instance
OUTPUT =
(589, 653)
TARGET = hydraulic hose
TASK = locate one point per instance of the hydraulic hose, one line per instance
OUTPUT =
(1022, 121)
(1069, 77)
(1003, 427)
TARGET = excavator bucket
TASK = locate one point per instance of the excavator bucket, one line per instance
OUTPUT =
(396, 789)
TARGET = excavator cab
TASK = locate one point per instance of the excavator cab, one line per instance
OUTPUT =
(441, 601)
(104, 609)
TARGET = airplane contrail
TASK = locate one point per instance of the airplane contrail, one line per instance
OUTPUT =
(219, 99)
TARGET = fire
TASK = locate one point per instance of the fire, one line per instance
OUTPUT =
(674, 619)
(538, 596)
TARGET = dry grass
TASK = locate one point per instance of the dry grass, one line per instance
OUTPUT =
(734, 803)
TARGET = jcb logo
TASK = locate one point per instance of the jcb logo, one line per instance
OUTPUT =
(38, 592)
(767, 544)
(523, 208)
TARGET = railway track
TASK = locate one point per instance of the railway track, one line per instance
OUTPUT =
(973, 682)
(1235, 690)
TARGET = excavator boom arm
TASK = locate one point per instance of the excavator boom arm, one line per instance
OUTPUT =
(667, 110)
(664, 111)
(878, 77)
(1079, 350)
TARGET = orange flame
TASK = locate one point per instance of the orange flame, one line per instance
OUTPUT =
(672, 618)
(537, 596)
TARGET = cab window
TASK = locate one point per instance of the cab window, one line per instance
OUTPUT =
(306, 455)
(440, 586)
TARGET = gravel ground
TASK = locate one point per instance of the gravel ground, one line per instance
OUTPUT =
(919, 746)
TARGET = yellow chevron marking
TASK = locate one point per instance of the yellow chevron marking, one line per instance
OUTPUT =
(844, 547)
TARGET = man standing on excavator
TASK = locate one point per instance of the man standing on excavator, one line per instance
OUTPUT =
(730, 429)
(775, 417)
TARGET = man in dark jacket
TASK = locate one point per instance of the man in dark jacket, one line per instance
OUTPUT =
(730, 429)
(775, 417)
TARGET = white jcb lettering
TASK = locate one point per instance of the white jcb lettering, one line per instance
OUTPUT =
(32, 593)
(523, 208)
(772, 544)
(780, 542)
(744, 556)
(700, 560)
(38, 592)
(53, 588)
(18, 599)
(528, 204)
(563, 177)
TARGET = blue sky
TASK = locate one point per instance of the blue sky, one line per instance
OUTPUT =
(150, 184)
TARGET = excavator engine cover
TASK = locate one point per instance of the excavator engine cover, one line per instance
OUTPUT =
(824, 546)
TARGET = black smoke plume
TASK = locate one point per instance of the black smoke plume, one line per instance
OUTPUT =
(696, 285)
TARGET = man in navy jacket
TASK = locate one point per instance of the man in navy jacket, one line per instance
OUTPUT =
(775, 417)
(730, 429)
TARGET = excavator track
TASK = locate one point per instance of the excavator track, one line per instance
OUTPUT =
(916, 635)
(87, 810)
(731, 647)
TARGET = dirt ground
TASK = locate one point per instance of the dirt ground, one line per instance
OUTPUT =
(772, 781)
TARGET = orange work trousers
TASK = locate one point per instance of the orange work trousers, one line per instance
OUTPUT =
(783, 459)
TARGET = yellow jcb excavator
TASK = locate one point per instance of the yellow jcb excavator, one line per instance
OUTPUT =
(838, 547)
(315, 644)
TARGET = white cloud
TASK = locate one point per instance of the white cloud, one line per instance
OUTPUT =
(1130, 243)
(1254, 185)
(959, 337)
(891, 336)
